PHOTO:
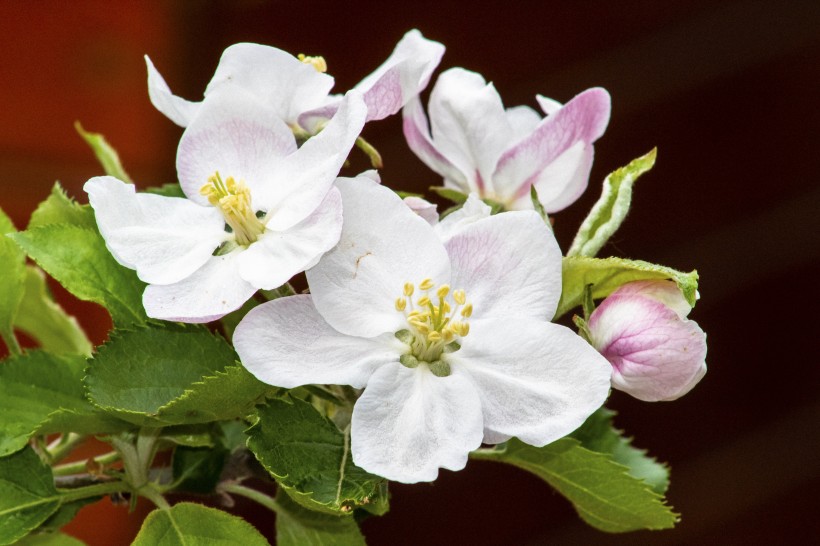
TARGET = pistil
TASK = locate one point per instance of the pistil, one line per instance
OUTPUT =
(233, 199)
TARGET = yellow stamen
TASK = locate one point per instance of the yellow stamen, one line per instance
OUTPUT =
(442, 291)
(409, 289)
(316, 62)
(424, 301)
(233, 199)
(426, 284)
(460, 297)
(401, 303)
(467, 311)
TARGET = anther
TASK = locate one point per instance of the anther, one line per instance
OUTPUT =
(467, 311)
(426, 284)
(409, 289)
(443, 290)
(460, 297)
(401, 304)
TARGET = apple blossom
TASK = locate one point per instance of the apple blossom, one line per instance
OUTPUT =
(297, 88)
(655, 351)
(445, 328)
(479, 147)
(258, 210)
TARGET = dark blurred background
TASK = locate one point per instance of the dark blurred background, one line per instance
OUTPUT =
(727, 91)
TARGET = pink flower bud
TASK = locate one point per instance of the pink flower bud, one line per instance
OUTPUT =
(655, 351)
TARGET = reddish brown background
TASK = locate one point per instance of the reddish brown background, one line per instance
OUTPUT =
(727, 91)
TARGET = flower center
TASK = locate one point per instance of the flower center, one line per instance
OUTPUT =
(435, 325)
(317, 62)
(233, 199)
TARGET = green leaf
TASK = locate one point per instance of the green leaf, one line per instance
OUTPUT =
(43, 393)
(600, 489)
(453, 195)
(298, 526)
(310, 457)
(170, 375)
(598, 434)
(539, 208)
(43, 320)
(605, 275)
(609, 212)
(188, 524)
(106, 155)
(63, 516)
(78, 259)
(50, 539)
(59, 208)
(27, 495)
(167, 190)
(12, 279)
(197, 470)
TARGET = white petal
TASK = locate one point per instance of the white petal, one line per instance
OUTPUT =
(548, 106)
(212, 292)
(409, 423)
(236, 136)
(537, 380)
(164, 238)
(523, 120)
(302, 179)
(276, 78)
(473, 210)
(564, 180)
(417, 134)
(404, 74)
(509, 265)
(279, 255)
(286, 343)
(383, 245)
(665, 292)
(177, 109)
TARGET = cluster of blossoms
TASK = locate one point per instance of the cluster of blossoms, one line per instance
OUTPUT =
(443, 323)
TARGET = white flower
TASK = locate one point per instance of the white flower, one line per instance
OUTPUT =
(655, 351)
(298, 89)
(445, 328)
(479, 147)
(258, 210)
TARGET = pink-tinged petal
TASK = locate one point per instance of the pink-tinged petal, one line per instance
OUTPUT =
(383, 245)
(655, 355)
(417, 134)
(409, 423)
(537, 380)
(303, 178)
(177, 109)
(237, 137)
(274, 77)
(548, 106)
(473, 210)
(164, 238)
(563, 181)
(279, 255)
(423, 208)
(666, 292)
(583, 119)
(509, 265)
(404, 74)
(469, 126)
(213, 291)
(523, 120)
(285, 342)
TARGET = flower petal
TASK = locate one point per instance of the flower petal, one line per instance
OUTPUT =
(404, 74)
(423, 208)
(301, 180)
(537, 380)
(177, 109)
(509, 265)
(409, 423)
(213, 291)
(523, 120)
(666, 292)
(236, 136)
(417, 134)
(276, 78)
(583, 119)
(473, 210)
(164, 238)
(279, 255)
(285, 342)
(655, 355)
(383, 245)
(563, 181)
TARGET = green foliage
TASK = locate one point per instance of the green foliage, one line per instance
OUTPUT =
(42, 393)
(600, 489)
(611, 208)
(298, 526)
(453, 195)
(59, 208)
(27, 495)
(605, 275)
(78, 259)
(310, 457)
(197, 470)
(598, 434)
(12, 280)
(106, 155)
(170, 375)
(188, 524)
(167, 190)
(49, 539)
(43, 320)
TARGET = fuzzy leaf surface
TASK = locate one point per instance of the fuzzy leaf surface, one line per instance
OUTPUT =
(59, 208)
(607, 274)
(298, 526)
(106, 154)
(27, 495)
(610, 210)
(600, 489)
(12, 278)
(50, 539)
(310, 457)
(189, 524)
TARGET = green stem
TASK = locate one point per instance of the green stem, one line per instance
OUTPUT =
(81, 466)
(97, 490)
(154, 496)
(60, 449)
(371, 152)
(256, 496)
(12, 344)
